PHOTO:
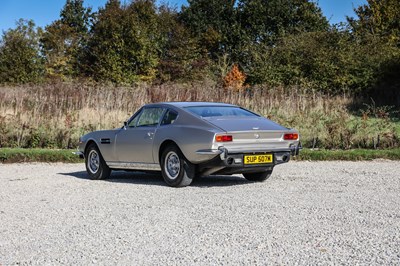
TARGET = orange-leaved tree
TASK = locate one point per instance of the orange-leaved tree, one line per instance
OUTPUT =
(235, 79)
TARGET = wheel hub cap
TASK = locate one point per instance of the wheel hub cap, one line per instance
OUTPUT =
(172, 165)
(93, 162)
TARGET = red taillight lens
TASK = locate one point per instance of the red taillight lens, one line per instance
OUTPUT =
(291, 136)
(223, 138)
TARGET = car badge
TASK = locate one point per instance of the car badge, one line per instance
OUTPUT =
(257, 136)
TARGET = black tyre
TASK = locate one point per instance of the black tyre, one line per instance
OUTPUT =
(176, 170)
(96, 167)
(258, 177)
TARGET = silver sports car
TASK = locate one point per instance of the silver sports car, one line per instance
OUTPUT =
(188, 139)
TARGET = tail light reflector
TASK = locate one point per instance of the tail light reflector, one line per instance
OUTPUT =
(291, 136)
(223, 138)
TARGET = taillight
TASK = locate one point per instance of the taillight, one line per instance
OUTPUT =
(291, 136)
(223, 138)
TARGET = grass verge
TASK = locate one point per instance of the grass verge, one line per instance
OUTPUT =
(8, 155)
(348, 155)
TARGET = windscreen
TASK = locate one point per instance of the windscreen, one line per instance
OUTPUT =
(220, 111)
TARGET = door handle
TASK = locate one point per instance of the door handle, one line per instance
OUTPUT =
(150, 134)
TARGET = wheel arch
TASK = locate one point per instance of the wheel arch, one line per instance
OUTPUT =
(88, 143)
(186, 171)
(102, 170)
(163, 145)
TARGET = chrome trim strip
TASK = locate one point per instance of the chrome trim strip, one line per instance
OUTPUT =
(209, 152)
(233, 150)
(105, 141)
(261, 130)
(134, 166)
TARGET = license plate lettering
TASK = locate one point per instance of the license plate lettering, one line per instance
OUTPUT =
(258, 159)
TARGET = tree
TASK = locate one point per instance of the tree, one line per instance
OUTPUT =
(379, 18)
(64, 40)
(180, 54)
(377, 29)
(124, 42)
(234, 79)
(76, 16)
(268, 20)
(212, 22)
(263, 24)
(20, 60)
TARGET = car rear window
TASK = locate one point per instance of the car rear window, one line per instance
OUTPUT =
(215, 111)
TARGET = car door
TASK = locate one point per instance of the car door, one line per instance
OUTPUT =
(134, 143)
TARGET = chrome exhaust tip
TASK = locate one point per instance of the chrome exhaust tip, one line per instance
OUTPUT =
(229, 161)
(282, 157)
(285, 158)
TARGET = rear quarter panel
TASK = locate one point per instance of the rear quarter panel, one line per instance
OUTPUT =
(188, 138)
(190, 133)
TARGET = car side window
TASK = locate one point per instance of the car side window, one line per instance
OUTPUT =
(150, 117)
(169, 117)
(133, 122)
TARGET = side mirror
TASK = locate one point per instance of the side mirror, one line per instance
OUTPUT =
(125, 124)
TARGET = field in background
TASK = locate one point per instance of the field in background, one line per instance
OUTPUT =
(54, 116)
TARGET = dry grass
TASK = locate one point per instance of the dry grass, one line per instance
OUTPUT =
(56, 115)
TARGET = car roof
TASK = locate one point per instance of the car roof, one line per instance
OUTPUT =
(193, 104)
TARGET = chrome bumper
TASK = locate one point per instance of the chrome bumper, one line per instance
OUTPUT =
(80, 154)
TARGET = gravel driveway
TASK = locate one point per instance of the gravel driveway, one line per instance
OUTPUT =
(306, 213)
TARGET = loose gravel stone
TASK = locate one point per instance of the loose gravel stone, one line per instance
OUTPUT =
(307, 213)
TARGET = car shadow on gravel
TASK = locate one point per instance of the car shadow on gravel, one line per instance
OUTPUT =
(155, 179)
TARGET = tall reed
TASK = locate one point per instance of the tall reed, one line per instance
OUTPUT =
(55, 115)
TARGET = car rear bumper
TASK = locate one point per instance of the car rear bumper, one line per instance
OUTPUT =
(232, 162)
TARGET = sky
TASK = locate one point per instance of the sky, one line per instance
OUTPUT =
(43, 12)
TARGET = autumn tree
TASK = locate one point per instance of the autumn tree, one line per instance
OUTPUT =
(234, 79)
(20, 60)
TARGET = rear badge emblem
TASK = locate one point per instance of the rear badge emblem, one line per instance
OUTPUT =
(257, 136)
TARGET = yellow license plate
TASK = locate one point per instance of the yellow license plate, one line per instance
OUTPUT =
(258, 159)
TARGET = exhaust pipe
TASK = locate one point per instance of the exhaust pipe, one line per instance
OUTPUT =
(282, 157)
(229, 161)
(285, 158)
